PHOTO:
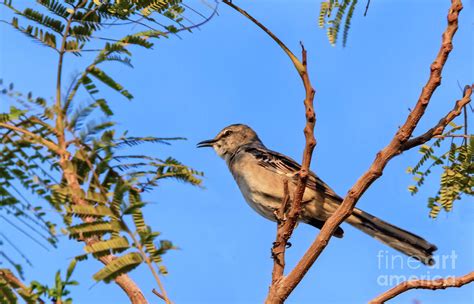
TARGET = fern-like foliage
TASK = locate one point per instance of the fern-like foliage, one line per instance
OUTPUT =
(118, 266)
(457, 176)
(67, 153)
(11, 288)
(111, 182)
(336, 13)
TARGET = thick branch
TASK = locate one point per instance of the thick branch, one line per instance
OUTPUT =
(424, 284)
(383, 157)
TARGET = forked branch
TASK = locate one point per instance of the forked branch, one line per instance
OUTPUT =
(394, 148)
(282, 286)
(438, 130)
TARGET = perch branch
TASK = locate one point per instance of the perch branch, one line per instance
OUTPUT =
(279, 246)
(395, 147)
(285, 228)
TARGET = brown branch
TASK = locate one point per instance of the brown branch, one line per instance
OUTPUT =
(279, 246)
(438, 130)
(383, 157)
(424, 284)
(158, 294)
(15, 283)
(285, 228)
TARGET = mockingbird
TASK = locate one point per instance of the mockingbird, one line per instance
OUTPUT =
(260, 174)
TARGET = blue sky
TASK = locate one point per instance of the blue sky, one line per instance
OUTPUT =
(231, 72)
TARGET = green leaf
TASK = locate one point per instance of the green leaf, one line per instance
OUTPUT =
(55, 7)
(88, 229)
(87, 210)
(123, 264)
(102, 76)
(44, 20)
(114, 244)
(70, 269)
(40, 35)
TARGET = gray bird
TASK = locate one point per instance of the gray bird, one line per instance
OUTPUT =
(260, 174)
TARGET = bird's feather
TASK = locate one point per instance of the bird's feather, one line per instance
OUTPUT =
(284, 165)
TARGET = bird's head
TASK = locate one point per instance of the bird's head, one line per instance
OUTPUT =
(230, 139)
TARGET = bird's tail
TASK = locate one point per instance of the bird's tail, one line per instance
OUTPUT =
(397, 238)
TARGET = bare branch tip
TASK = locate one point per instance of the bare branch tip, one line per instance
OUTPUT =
(468, 89)
(158, 294)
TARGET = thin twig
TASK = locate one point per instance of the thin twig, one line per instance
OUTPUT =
(438, 129)
(294, 59)
(367, 8)
(150, 265)
(158, 294)
(454, 136)
(424, 284)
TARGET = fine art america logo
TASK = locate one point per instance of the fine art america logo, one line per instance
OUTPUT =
(390, 263)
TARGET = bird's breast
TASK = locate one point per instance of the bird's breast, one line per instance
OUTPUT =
(262, 190)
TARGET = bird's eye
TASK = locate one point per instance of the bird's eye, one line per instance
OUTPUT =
(227, 133)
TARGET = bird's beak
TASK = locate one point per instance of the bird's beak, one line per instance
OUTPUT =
(206, 143)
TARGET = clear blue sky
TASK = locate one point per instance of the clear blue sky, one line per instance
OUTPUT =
(231, 72)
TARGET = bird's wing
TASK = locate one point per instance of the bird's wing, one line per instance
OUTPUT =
(284, 165)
